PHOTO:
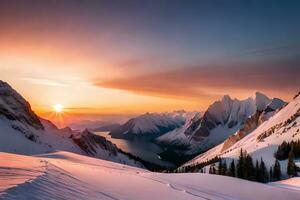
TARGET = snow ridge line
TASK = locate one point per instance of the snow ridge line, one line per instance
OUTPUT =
(29, 180)
(52, 185)
(66, 173)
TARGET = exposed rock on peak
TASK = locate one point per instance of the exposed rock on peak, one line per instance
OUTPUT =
(261, 100)
(14, 107)
(222, 119)
(91, 143)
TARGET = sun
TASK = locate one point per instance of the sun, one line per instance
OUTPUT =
(58, 108)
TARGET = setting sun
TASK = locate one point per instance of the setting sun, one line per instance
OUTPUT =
(58, 108)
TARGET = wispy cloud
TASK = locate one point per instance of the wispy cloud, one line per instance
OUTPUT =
(47, 82)
(201, 81)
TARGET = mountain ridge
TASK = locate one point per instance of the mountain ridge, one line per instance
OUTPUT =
(263, 141)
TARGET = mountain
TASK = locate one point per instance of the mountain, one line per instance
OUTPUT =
(64, 175)
(94, 125)
(23, 132)
(15, 108)
(150, 125)
(264, 139)
(177, 137)
(222, 119)
(254, 121)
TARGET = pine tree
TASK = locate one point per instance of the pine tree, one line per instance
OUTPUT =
(291, 168)
(224, 168)
(220, 170)
(277, 170)
(232, 169)
(212, 169)
(271, 173)
(249, 168)
(257, 171)
(240, 165)
(263, 172)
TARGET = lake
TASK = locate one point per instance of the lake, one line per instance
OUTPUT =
(139, 147)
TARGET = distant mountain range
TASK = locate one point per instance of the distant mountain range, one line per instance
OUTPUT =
(221, 120)
(185, 134)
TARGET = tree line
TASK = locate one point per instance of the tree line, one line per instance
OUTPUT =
(244, 168)
(285, 148)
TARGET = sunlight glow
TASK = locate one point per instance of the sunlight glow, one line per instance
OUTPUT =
(58, 108)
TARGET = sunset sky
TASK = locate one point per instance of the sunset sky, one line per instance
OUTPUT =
(128, 57)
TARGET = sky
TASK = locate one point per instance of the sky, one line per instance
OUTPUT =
(115, 58)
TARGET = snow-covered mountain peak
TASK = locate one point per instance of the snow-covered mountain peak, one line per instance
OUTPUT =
(14, 107)
(259, 137)
(222, 119)
(261, 100)
(276, 103)
(154, 124)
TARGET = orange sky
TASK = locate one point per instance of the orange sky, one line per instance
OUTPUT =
(85, 85)
(102, 59)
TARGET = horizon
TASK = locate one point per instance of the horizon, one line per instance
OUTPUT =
(107, 59)
(64, 118)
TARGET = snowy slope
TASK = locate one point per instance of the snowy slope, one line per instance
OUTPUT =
(291, 183)
(264, 140)
(67, 176)
(177, 136)
(150, 124)
(23, 132)
(222, 119)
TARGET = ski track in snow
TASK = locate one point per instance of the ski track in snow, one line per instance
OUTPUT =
(207, 195)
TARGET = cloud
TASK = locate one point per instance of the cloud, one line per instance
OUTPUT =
(200, 81)
(46, 82)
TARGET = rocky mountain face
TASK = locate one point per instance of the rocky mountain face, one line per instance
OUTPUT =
(177, 138)
(14, 107)
(91, 143)
(254, 121)
(228, 113)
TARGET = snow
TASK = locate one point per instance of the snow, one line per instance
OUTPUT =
(292, 183)
(48, 140)
(151, 123)
(222, 119)
(64, 175)
(262, 148)
(177, 136)
(14, 142)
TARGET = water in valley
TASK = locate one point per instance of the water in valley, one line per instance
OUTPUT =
(140, 147)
